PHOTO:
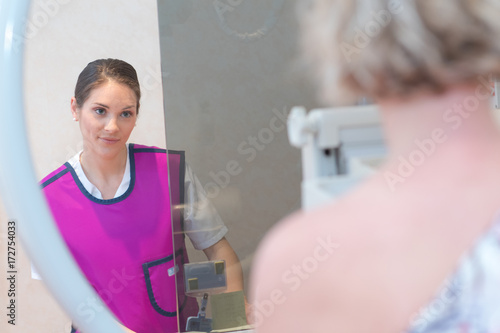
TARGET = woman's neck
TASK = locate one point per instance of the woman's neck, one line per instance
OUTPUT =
(444, 140)
(458, 121)
(106, 173)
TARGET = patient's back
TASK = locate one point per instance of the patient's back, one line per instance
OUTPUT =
(374, 260)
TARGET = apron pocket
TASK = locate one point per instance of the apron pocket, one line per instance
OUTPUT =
(160, 284)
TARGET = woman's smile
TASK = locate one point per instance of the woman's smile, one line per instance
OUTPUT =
(107, 119)
(109, 141)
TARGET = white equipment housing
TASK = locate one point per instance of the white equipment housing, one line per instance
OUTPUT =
(340, 147)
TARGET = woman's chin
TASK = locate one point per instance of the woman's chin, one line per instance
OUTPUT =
(110, 151)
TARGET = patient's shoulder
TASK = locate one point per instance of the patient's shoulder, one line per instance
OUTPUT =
(328, 267)
(300, 264)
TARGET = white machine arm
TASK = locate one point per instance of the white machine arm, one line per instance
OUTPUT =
(335, 144)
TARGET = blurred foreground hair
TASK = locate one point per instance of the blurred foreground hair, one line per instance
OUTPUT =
(398, 48)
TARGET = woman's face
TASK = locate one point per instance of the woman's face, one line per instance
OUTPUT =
(106, 119)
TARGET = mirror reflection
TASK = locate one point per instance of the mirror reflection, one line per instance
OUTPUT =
(224, 74)
(111, 202)
(107, 247)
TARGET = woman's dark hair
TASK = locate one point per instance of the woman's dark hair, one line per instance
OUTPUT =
(103, 70)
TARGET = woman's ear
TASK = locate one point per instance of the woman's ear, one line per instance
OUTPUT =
(74, 108)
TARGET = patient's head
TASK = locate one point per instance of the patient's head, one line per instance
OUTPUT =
(388, 48)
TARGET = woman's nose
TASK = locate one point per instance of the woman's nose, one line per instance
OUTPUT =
(111, 125)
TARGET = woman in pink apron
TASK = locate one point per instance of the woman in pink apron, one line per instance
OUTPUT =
(113, 207)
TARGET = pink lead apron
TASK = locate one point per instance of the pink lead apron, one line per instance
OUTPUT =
(124, 245)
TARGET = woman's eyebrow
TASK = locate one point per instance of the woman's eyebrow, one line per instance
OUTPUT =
(125, 108)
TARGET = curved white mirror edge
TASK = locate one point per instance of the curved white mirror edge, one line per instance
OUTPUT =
(20, 192)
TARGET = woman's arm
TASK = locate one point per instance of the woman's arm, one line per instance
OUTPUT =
(222, 250)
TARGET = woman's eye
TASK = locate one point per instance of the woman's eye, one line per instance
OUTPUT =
(100, 111)
(127, 114)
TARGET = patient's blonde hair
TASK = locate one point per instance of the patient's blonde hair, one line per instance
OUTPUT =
(396, 48)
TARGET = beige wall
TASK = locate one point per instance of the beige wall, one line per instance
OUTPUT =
(62, 37)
